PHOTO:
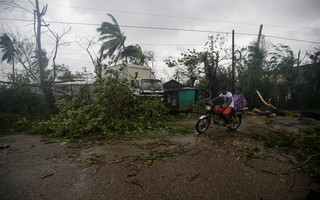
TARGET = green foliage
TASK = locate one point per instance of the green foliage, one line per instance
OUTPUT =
(112, 36)
(305, 145)
(251, 72)
(304, 121)
(135, 55)
(201, 65)
(19, 104)
(269, 121)
(315, 56)
(116, 111)
(64, 74)
(8, 119)
(272, 72)
(8, 51)
(225, 76)
(148, 159)
(92, 160)
(251, 151)
(188, 67)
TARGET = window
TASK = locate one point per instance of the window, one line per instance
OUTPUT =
(151, 84)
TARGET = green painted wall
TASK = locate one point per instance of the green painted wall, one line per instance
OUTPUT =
(186, 97)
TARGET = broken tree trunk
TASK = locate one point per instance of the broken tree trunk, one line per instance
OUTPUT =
(258, 112)
(274, 111)
(268, 104)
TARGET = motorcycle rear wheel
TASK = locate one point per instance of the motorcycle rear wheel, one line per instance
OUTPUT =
(202, 125)
(237, 122)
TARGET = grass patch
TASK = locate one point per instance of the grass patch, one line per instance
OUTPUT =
(49, 140)
(269, 121)
(148, 159)
(251, 151)
(92, 160)
(304, 121)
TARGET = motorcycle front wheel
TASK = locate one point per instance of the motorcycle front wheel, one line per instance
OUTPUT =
(236, 122)
(202, 124)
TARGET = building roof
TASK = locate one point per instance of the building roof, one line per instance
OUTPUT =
(138, 66)
(130, 65)
(79, 82)
(172, 85)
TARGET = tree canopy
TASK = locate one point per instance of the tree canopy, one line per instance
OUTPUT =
(270, 69)
(8, 51)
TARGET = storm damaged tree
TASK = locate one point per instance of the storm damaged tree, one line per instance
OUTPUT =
(135, 55)
(9, 51)
(215, 52)
(26, 57)
(113, 41)
(35, 61)
(315, 55)
(252, 72)
(211, 66)
(46, 84)
(188, 67)
(113, 49)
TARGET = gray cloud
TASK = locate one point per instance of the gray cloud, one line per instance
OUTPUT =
(298, 19)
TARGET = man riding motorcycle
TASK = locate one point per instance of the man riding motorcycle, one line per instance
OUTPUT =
(227, 106)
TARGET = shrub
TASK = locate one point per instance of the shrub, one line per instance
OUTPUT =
(115, 111)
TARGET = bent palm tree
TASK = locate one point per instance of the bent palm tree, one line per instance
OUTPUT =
(8, 51)
(112, 34)
(136, 55)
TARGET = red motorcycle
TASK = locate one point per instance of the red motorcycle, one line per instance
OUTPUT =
(214, 115)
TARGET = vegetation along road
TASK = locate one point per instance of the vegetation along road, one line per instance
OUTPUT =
(254, 162)
(96, 134)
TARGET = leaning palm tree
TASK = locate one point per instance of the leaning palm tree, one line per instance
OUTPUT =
(8, 51)
(134, 53)
(112, 36)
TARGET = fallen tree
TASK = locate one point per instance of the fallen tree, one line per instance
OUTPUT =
(35, 85)
(274, 111)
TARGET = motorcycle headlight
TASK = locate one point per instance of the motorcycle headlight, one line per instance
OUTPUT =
(208, 107)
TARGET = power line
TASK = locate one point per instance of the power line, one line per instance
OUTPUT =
(177, 17)
(141, 44)
(167, 29)
(282, 38)
(296, 40)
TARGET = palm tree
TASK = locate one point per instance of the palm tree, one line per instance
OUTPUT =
(134, 53)
(113, 37)
(8, 51)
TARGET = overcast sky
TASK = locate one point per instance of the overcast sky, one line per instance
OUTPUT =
(290, 22)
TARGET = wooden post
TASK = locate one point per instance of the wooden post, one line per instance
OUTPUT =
(38, 38)
(259, 36)
(298, 64)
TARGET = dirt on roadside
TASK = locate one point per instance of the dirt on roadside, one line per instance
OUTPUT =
(213, 165)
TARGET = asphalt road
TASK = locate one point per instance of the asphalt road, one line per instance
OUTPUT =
(210, 166)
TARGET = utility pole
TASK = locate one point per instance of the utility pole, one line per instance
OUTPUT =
(298, 64)
(259, 36)
(38, 38)
(233, 60)
(45, 84)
